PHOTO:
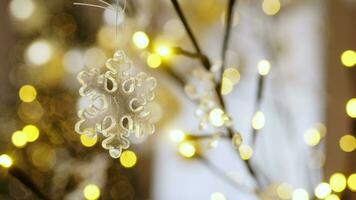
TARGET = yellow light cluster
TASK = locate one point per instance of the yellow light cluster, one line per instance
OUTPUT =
(231, 77)
(347, 143)
(338, 182)
(271, 7)
(128, 159)
(27, 93)
(258, 120)
(322, 190)
(246, 152)
(5, 161)
(29, 133)
(263, 66)
(187, 149)
(348, 58)
(140, 39)
(163, 50)
(91, 192)
(351, 108)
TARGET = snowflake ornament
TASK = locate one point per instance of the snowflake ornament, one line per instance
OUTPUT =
(118, 97)
(202, 90)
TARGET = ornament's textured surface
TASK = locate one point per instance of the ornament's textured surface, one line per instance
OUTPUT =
(118, 97)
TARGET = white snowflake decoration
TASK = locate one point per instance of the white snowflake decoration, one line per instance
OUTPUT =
(202, 90)
(118, 97)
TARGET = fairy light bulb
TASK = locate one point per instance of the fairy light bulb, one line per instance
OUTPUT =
(271, 7)
(351, 182)
(5, 161)
(22, 9)
(351, 108)
(91, 192)
(163, 50)
(39, 53)
(312, 137)
(216, 117)
(246, 152)
(187, 149)
(348, 58)
(322, 190)
(88, 141)
(177, 135)
(258, 120)
(347, 143)
(154, 60)
(19, 139)
(27, 93)
(338, 182)
(128, 159)
(140, 39)
(32, 133)
(263, 66)
(300, 194)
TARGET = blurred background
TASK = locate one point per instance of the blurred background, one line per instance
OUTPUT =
(299, 136)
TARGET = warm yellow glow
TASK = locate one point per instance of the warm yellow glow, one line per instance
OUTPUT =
(27, 93)
(348, 58)
(154, 60)
(322, 190)
(217, 196)
(163, 50)
(88, 141)
(351, 182)
(140, 39)
(312, 137)
(226, 86)
(22, 9)
(216, 117)
(284, 191)
(5, 161)
(263, 67)
(19, 139)
(32, 133)
(300, 194)
(128, 159)
(338, 182)
(177, 135)
(271, 7)
(348, 143)
(232, 74)
(246, 152)
(351, 108)
(258, 120)
(39, 52)
(91, 192)
(187, 149)
(332, 197)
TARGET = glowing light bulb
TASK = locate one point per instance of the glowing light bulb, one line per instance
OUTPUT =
(338, 182)
(19, 139)
(187, 149)
(91, 192)
(226, 86)
(27, 93)
(88, 141)
(246, 152)
(217, 196)
(351, 108)
(216, 117)
(128, 159)
(263, 67)
(322, 190)
(332, 197)
(5, 161)
(163, 50)
(32, 133)
(348, 58)
(22, 9)
(348, 143)
(154, 60)
(140, 39)
(312, 137)
(351, 182)
(177, 135)
(39, 53)
(284, 191)
(271, 7)
(232, 74)
(258, 120)
(300, 194)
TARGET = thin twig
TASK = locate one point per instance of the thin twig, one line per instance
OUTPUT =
(91, 5)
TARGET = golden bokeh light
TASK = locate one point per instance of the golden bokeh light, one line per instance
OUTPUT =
(177, 135)
(246, 152)
(263, 66)
(19, 139)
(226, 86)
(91, 192)
(216, 117)
(27, 93)
(351, 182)
(39, 52)
(300, 194)
(163, 50)
(5, 161)
(187, 149)
(217, 196)
(347, 143)
(32, 132)
(332, 197)
(22, 9)
(154, 60)
(271, 7)
(140, 39)
(351, 108)
(284, 191)
(232, 74)
(128, 159)
(322, 190)
(312, 137)
(258, 120)
(338, 182)
(88, 141)
(348, 58)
